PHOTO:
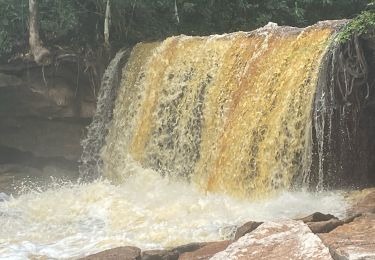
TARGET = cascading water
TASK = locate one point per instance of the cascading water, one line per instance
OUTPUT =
(202, 129)
(231, 113)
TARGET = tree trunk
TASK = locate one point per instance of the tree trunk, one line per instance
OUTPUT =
(42, 56)
(107, 25)
(176, 12)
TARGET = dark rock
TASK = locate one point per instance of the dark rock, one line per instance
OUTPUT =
(206, 252)
(160, 255)
(246, 228)
(120, 253)
(324, 226)
(316, 217)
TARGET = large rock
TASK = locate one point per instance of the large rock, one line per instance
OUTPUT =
(120, 253)
(205, 252)
(287, 239)
(43, 137)
(353, 241)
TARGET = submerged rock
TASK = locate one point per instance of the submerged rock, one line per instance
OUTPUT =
(287, 239)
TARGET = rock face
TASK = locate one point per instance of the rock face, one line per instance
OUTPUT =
(120, 253)
(287, 239)
(29, 90)
(43, 137)
(354, 241)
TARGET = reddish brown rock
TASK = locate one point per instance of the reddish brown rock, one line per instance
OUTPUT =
(284, 240)
(366, 204)
(205, 252)
(246, 228)
(355, 240)
(120, 253)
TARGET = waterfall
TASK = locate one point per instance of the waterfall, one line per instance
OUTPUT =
(245, 113)
(91, 162)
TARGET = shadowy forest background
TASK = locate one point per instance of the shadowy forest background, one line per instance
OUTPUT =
(78, 25)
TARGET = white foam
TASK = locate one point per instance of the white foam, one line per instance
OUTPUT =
(147, 211)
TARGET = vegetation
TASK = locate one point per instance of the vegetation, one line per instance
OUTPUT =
(79, 24)
(362, 24)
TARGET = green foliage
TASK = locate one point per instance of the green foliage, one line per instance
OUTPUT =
(13, 31)
(79, 23)
(360, 25)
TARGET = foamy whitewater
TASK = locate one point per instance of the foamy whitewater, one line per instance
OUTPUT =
(148, 211)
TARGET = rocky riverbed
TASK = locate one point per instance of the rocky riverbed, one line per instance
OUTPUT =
(317, 236)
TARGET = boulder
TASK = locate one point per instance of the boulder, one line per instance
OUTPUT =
(206, 252)
(120, 253)
(246, 228)
(354, 241)
(283, 240)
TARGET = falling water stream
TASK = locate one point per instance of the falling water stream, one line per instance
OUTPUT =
(207, 133)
